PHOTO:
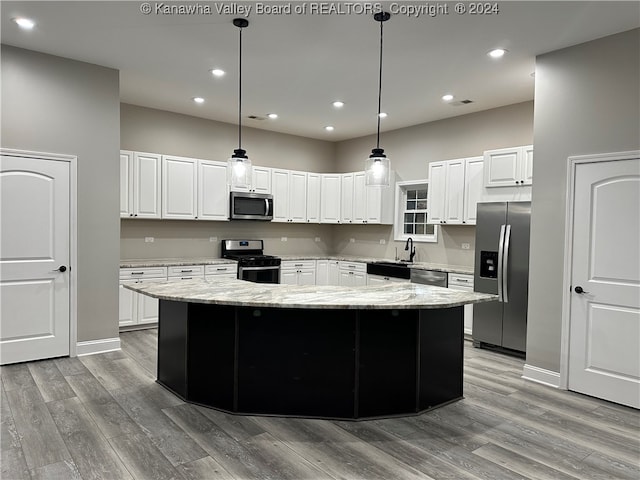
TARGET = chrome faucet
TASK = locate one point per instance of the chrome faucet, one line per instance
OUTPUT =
(412, 250)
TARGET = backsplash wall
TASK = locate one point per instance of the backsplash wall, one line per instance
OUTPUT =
(191, 238)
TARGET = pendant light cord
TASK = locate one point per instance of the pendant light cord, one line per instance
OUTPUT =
(379, 89)
(240, 93)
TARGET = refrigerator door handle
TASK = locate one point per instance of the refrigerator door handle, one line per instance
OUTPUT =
(505, 265)
(500, 263)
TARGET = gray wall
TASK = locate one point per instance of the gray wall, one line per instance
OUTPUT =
(158, 131)
(587, 101)
(52, 104)
(410, 150)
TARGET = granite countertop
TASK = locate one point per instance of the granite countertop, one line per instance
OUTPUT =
(178, 262)
(173, 262)
(248, 294)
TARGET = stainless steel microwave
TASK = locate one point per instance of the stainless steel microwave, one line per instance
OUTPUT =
(251, 206)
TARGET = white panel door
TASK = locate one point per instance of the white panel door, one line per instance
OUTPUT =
(473, 188)
(298, 197)
(213, 191)
(146, 185)
(359, 207)
(313, 198)
(455, 191)
(437, 192)
(280, 189)
(330, 198)
(604, 344)
(34, 243)
(346, 202)
(179, 182)
(502, 167)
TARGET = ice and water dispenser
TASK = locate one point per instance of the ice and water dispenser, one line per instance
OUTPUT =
(488, 264)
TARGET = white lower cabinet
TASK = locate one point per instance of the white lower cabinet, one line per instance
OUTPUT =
(217, 272)
(298, 272)
(460, 281)
(135, 308)
(186, 272)
(381, 280)
(352, 274)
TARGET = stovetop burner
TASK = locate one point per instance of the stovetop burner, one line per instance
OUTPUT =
(248, 253)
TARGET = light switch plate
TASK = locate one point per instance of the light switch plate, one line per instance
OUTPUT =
(383, 241)
(352, 240)
(213, 239)
(317, 239)
(149, 239)
(283, 239)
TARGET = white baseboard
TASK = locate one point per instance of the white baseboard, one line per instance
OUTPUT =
(91, 347)
(540, 375)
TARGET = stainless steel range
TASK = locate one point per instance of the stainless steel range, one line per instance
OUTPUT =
(253, 264)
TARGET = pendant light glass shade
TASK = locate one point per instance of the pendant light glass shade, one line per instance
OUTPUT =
(239, 166)
(239, 170)
(378, 167)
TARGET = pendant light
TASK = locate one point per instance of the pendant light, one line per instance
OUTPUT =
(377, 166)
(239, 165)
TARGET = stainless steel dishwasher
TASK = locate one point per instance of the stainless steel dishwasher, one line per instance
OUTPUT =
(429, 277)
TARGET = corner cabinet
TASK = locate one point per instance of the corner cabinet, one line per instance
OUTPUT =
(140, 184)
(330, 188)
(508, 167)
(455, 188)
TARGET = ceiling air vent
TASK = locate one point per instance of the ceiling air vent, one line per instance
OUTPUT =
(461, 102)
(256, 117)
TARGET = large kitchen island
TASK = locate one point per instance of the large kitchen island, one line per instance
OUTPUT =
(311, 351)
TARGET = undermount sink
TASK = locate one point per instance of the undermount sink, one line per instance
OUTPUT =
(390, 269)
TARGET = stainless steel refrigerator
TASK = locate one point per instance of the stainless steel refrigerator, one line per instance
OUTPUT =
(502, 268)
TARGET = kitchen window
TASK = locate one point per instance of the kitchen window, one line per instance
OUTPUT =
(411, 214)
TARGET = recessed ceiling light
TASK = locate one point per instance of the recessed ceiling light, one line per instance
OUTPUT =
(216, 72)
(382, 115)
(198, 99)
(272, 116)
(338, 104)
(497, 53)
(329, 128)
(25, 23)
(447, 98)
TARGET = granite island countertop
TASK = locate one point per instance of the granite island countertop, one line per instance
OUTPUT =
(247, 294)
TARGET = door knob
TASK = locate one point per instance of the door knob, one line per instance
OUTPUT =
(61, 269)
(579, 289)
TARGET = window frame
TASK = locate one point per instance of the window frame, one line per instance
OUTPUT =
(401, 202)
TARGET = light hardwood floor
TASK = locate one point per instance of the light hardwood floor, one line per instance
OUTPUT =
(104, 417)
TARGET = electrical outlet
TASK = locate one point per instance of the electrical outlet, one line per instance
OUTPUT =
(283, 239)
(383, 241)
(149, 239)
(352, 240)
(466, 246)
(317, 239)
(213, 239)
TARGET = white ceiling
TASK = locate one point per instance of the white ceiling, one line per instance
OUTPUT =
(296, 65)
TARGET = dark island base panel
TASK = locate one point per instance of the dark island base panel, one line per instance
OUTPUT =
(322, 363)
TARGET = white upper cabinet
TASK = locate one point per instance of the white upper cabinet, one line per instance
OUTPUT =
(455, 188)
(330, 197)
(179, 187)
(260, 181)
(508, 167)
(371, 204)
(289, 196)
(473, 188)
(313, 197)
(213, 191)
(140, 176)
(346, 198)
